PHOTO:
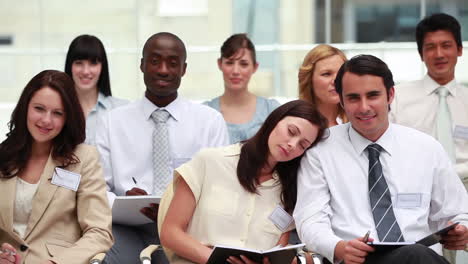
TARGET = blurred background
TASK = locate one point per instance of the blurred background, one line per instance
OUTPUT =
(35, 35)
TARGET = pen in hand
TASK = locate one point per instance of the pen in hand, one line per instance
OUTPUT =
(366, 237)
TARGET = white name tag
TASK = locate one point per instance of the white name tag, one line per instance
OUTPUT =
(281, 218)
(460, 132)
(66, 179)
(409, 200)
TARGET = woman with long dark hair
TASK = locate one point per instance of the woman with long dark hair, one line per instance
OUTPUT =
(226, 195)
(54, 206)
(86, 63)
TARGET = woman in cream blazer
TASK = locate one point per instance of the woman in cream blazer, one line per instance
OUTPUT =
(53, 207)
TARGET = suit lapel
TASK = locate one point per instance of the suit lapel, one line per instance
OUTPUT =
(8, 191)
(44, 194)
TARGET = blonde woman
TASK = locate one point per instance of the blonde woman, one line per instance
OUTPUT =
(316, 81)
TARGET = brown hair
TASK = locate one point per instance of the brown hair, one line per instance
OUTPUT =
(306, 72)
(255, 150)
(236, 42)
(15, 150)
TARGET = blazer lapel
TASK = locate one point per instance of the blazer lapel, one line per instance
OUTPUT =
(44, 194)
(8, 191)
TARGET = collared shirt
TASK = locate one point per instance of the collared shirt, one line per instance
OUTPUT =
(241, 132)
(104, 104)
(125, 141)
(227, 214)
(333, 201)
(415, 105)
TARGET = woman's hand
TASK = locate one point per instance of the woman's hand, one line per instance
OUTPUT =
(8, 255)
(244, 260)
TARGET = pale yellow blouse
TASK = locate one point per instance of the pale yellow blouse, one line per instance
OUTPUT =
(225, 213)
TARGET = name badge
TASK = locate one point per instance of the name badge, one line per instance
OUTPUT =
(281, 218)
(409, 200)
(66, 179)
(460, 132)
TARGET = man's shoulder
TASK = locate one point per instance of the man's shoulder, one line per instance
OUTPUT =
(334, 136)
(410, 86)
(412, 136)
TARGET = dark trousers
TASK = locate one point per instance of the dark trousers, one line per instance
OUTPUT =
(130, 241)
(412, 254)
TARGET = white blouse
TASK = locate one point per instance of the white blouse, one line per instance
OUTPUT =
(23, 205)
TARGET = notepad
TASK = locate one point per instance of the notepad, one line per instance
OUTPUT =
(126, 209)
(426, 241)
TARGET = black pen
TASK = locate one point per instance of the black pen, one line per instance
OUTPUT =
(133, 178)
(366, 237)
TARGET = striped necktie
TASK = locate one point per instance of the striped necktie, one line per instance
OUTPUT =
(161, 169)
(444, 123)
(386, 224)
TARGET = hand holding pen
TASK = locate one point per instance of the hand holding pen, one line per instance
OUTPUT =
(135, 190)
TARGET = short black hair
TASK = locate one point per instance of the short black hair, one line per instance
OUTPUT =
(170, 36)
(364, 65)
(435, 22)
(88, 47)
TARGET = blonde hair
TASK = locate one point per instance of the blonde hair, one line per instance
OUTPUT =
(306, 72)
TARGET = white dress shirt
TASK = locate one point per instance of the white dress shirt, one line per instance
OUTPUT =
(124, 140)
(333, 201)
(415, 105)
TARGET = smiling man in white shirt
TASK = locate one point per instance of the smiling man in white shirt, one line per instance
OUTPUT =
(416, 103)
(143, 142)
(370, 175)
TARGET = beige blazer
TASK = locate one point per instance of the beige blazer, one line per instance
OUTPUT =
(64, 226)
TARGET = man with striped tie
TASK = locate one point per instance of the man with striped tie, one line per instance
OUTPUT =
(371, 175)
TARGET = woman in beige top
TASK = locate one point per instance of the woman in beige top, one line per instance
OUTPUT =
(317, 81)
(226, 195)
(54, 207)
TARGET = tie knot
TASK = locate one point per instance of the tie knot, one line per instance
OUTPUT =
(374, 150)
(160, 116)
(442, 91)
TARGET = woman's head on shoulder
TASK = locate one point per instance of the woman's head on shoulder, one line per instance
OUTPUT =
(317, 74)
(279, 145)
(238, 61)
(291, 129)
(47, 114)
(86, 63)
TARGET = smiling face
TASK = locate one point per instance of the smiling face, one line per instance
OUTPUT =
(440, 53)
(86, 74)
(366, 104)
(237, 69)
(46, 116)
(323, 80)
(290, 138)
(163, 65)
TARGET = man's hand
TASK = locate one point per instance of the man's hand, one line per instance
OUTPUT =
(151, 212)
(353, 251)
(457, 238)
(135, 191)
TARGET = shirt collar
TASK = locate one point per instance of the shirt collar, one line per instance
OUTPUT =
(174, 108)
(360, 143)
(103, 101)
(431, 86)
